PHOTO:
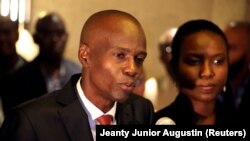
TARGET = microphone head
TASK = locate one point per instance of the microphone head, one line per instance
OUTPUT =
(165, 121)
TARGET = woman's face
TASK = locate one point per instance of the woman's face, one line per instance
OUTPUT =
(203, 66)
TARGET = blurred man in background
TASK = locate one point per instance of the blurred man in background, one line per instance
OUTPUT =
(49, 71)
(10, 61)
(238, 35)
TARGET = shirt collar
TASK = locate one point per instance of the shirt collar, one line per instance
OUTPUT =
(93, 111)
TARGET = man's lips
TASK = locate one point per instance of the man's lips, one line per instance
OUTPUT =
(127, 86)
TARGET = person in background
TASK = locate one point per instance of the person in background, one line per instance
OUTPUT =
(167, 89)
(112, 63)
(48, 71)
(10, 61)
(200, 69)
(238, 35)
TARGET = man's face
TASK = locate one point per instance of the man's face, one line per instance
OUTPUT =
(116, 62)
(238, 51)
(52, 40)
(8, 39)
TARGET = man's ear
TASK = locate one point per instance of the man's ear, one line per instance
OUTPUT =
(83, 54)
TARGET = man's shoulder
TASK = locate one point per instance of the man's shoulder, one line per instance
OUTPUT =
(50, 101)
(42, 100)
(38, 105)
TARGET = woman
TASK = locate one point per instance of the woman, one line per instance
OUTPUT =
(200, 68)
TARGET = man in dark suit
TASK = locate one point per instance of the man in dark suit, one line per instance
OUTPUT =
(112, 51)
(10, 60)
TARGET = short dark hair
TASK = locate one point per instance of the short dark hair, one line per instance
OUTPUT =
(43, 21)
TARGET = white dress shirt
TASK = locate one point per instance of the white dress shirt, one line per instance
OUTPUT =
(92, 111)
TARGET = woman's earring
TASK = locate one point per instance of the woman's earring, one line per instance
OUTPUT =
(168, 49)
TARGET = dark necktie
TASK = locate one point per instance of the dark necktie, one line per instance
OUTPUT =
(105, 119)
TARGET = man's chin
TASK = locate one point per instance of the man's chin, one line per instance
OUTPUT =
(123, 98)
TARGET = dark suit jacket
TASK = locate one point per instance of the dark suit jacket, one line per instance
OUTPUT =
(59, 116)
(243, 111)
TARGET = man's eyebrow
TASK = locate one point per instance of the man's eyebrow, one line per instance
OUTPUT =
(117, 48)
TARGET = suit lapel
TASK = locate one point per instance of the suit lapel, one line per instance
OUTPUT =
(124, 114)
(76, 122)
(72, 114)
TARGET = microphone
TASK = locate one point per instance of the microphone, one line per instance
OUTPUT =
(165, 121)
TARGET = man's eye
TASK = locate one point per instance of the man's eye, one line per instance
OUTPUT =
(120, 55)
(139, 60)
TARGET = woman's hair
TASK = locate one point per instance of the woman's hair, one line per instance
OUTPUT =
(185, 30)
